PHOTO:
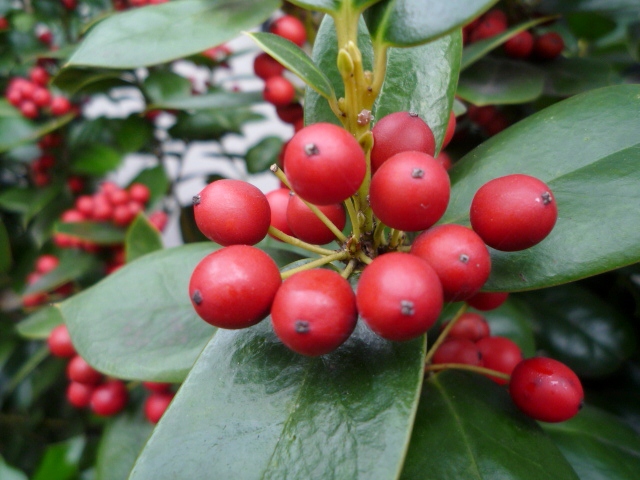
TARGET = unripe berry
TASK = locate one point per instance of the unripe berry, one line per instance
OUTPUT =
(306, 226)
(291, 28)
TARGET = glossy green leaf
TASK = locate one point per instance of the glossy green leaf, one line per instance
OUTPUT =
(96, 160)
(586, 149)
(211, 124)
(332, 6)
(210, 101)
(579, 329)
(263, 154)
(492, 81)
(422, 80)
(563, 6)
(133, 133)
(15, 131)
(5, 249)
(40, 199)
(343, 415)
(76, 80)
(38, 325)
(163, 85)
(61, 460)
(467, 427)
(296, 60)
(405, 23)
(477, 50)
(101, 233)
(165, 32)
(598, 445)
(590, 25)
(142, 238)
(73, 264)
(621, 402)
(513, 320)
(155, 178)
(17, 199)
(119, 446)
(569, 76)
(9, 473)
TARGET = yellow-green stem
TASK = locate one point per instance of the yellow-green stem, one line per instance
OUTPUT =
(316, 263)
(348, 270)
(353, 215)
(379, 238)
(363, 258)
(464, 366)
(396, 238)
(444, 333)
(280, 235)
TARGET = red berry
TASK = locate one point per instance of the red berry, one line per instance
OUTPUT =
(159, 220)
(158, 387)
(42, 97)
(4, 23)
(75, 184)
(487, 300)
(79, 394)
(266, 66)
(520, 45)
(278, 202)
(444, 159)
(59, 342)
(156, 404)
(548, 46)
(102, 209)
(123, 215)
(471, 326)
(400, 132)
(490, 25)
(458, 350)
(291, 28)
(78, 370)
(278, 91)
(34, 299)
(514, 212)
(306, 226)
(234, 287)
(232, 212)
(451, 129)
(324, 164)
(399, 296)
(72, 216)
(46, 263)
(117, 196)
(109, 398)
(60, 106)
(314, 312)
(410, 191)
(139, 192)
(39, 75)
(546, 389)
(483, 116)
(459, 257)
(290, 113)
(500, 354)
(29, 109)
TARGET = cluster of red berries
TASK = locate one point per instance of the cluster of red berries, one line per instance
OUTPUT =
(279, 91)
(120, 5)
(32, 97)
(88, 388)
(525, 44)
(44, 264)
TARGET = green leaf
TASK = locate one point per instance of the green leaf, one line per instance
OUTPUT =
(189, 231)
(5, 249)
(61, 460)
(586, 149)
(76, 80)
(569, 76)
(155, 178)
(134, 133)
(332, 6)
(405, 23)
(590, 25)
(467, 427)
(101, 233)
(15, 131)
(598, 445)
(73, 265)
(138, 323)
(119, 446)
(295, 60)
(9, 473)
(422, 80)
(493, 81)
(343, 415)
(161, 33)
(163, 85)
(17, 199)
(563, 6)
(574, 326)
(38, 325)
(263, 154)
(211, 101)
(95, 160)
(211, 124)
(513, 320)
(142, 238)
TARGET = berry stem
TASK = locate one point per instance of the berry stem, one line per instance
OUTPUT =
(379, 238)
(464, 366)
(349, 268)
(315, 263)
(353, 215)
(444, 333)
(280, 235)
(363, 258)
(396, 238)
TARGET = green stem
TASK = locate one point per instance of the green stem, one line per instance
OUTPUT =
(316, 263)
(396, 238)
(444, 333)
(464, 366)
(348, 270)
(280, 235)
(379, 237)
(363, 258)
(353, 215)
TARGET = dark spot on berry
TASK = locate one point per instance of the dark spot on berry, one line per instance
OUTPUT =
(464, 258)
(406, 307)
(196, 199)
(302, 326)
(197, 297)
(546, 198)
(417, 173)
(413, 114)
(311, 149)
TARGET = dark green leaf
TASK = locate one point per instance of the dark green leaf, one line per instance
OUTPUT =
(38, 325)
(211, 124)
(134, 133)
(513, 320)
(96, 160)
(189, 230)
(5, 249)
(15, 131)
(75, 80)
(17, 199)
(598, 445)
(119, 446)
(581, 330)
(590, 25)
(156, 180)
(569, 76)
(40, 199)
(623, 404)
(343, 415)
(467, 427)
(161, 33)
(422, 80)
(586, 149)
(263, 154)
(405, 23)
(332, 6)
(211, 101)
(563, 6)
(162, 85)
(60, 461)
(73, 265)
(101, 233)
(492, 81)
(295, 60)
(142, 238)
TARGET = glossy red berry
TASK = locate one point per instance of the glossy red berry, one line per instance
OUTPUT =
(232, 212)
(400, 132)
(79, 394)
(490, 25)
(59, 342)
(514, 212)
(156, 404)
(314, 312)
(399, 296)
(278, 202)
(139, 192)
(324, 164)
(265, 66)
(234, 287)
(291, 113)
(458, 350)
(60, 106)
(546, 389)
(444, 159)
(500, 354)
(29, 109)
(487, 300)
(306, 226)
(46, 263)
(78, 370)
(520, 45)
(156, 386)
(451, 129)
(109, 398)
(410, 191)
(459, 257)
(278, 91)
(548, 46)
(291, 28)
(471, 326)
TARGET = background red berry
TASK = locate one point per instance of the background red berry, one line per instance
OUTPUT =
(291, 28)
(306, 226)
